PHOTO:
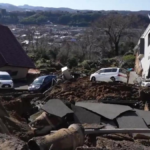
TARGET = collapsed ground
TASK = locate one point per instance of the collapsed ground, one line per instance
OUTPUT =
(20, 108)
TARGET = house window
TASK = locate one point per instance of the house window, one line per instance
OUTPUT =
(148, 39)
(142, 46)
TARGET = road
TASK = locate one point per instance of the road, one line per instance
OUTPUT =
(21, 86)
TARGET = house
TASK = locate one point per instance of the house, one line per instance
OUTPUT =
(142, 49)
(13, 58)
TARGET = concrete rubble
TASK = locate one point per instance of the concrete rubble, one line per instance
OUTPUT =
(63, 139)
(71, 111)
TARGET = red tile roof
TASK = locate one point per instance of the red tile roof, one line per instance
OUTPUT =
(11, 52)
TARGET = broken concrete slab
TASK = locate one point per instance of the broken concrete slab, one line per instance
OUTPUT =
(56, 107)
(82, 116)
(43, 131)
(66, 73)
(40, 121)
(109, 111)
(144, 114)
(130, 120)
(44, 120)
(34, 116)
(63, 139)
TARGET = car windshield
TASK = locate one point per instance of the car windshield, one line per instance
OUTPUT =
(39, 80)
(5, 77)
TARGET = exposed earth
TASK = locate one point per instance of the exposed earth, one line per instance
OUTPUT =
(20, 108)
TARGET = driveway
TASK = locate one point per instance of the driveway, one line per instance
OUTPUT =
(21, 86)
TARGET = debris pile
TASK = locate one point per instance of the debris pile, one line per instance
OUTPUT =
(45, 121)
(82, 90)
(11, 143)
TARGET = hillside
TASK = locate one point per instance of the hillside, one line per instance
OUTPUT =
(10, 8)
(28, 15)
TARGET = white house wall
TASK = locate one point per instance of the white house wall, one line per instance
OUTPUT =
(145, 61)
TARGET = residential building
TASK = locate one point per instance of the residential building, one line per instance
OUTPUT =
(142, 49)
(13, 58)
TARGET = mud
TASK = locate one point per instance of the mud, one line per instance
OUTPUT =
(82, 89)
(11, 143)
(18, 128)
(114, 142)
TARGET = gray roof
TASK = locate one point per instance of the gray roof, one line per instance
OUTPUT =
(144, 114)
(130, 120)
(108, 111)
(56, 107)
(82, 116)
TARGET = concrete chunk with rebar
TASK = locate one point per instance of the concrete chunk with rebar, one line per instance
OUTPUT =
(63, 139)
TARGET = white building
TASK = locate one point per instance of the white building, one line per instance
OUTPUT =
(142, 65)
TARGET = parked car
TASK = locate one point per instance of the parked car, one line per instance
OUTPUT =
(6, 80)
(110, 74)
(145, 83)
(42, 83)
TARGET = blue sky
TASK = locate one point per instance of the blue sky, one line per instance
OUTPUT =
(87, 4)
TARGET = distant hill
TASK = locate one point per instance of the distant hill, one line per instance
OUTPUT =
(35, 8)
(28, 15)
(10, 7)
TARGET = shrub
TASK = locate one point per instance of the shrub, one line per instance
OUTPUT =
(93, 70)
(41, 65)
(72, 62)
(87, 72)
(51, 69)
(129, 58)
(85, 65)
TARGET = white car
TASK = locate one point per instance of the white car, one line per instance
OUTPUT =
(109, 75)
(5, 81)
(145, 83)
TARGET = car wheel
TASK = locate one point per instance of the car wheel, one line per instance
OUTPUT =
(93, 79)
(113, 79)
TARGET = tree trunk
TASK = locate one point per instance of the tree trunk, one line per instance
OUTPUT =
(117, 49)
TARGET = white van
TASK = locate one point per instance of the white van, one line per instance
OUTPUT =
(109, 75)
(6, 81)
